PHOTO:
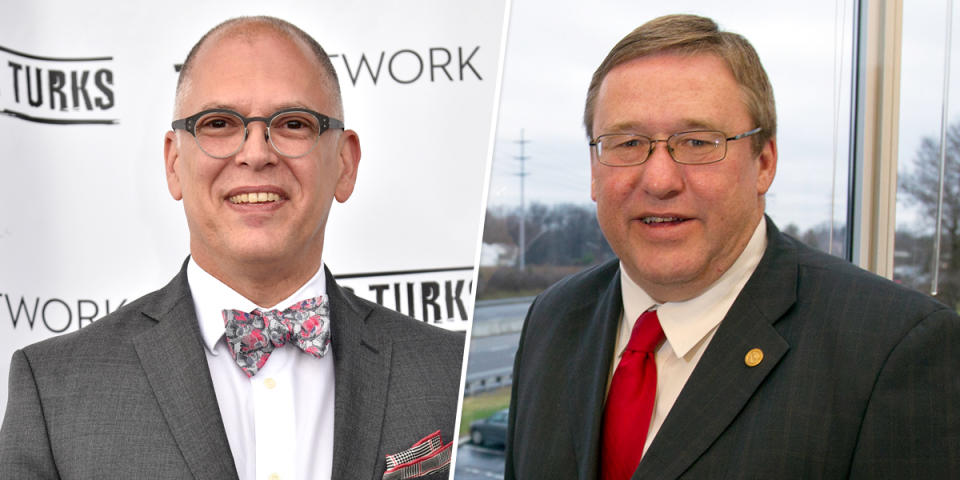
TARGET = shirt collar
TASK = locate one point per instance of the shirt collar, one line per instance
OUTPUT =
(687, 323)
(211, 297)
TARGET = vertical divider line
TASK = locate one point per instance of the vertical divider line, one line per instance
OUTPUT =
(944, 112)
(840, 11)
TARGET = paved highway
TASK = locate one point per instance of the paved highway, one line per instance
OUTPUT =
(492, 353)
(493, 317)
(478, 463)
(496, 331)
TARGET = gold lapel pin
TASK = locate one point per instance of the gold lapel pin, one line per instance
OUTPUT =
(754, 357)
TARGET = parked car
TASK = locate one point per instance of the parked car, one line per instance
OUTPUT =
(491, 430)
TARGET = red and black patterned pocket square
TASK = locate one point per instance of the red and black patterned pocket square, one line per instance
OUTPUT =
(427, 456)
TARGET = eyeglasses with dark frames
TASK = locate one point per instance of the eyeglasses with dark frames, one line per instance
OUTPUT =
(292, 132)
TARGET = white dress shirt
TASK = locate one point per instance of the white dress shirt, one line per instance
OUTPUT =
(688, 326)
(280, 426)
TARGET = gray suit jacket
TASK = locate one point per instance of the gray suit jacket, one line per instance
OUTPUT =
(130, 396)
(860, 379)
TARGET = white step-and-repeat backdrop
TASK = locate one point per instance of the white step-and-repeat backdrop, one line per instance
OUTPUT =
(86, 92)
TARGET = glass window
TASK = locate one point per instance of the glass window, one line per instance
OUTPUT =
(923, 102)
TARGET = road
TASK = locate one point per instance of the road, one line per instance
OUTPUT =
(494, 343)
(511, 308)
(492, 353)
(496, 332)
(494, 317)
(478, 463)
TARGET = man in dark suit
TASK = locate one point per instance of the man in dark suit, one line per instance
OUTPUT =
(195, 380)
(715, 346)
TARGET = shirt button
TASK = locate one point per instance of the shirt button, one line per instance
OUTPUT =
(270, 384)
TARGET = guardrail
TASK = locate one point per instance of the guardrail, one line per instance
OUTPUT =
(479, 382)
(505, 301)
(489, 319)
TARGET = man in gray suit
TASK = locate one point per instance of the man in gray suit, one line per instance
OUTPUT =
(194, 380)
(715, 346)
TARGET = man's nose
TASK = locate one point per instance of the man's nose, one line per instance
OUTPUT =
(257, 151)
(661, 177)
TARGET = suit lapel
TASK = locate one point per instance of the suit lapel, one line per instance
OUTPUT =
(721, 384)
(595, 335)
(361, 358)
(172, 357)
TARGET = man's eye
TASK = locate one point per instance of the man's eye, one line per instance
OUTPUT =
(627, 143)
(219, 124)
(697, 143)
(293, 122)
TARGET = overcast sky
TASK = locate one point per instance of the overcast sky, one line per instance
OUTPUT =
(553, 48)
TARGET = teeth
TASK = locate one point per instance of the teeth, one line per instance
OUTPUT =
(256, 197)
(650, 220)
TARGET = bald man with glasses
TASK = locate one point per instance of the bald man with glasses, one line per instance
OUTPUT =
(252, 362)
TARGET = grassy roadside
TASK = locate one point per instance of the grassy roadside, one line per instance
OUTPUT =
(482, 405)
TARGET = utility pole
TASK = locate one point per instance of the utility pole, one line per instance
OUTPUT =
(523, 209)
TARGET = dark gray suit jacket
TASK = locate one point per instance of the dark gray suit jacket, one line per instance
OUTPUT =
(860, 378)
(130, 396)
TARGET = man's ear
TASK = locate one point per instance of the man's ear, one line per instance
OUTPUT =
(767, 168)
(349, 161)
(594, 165)
(171, 159)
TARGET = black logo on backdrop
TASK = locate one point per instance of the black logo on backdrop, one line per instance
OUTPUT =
(59, 91)
(55, 315)
(433, 295)
(406, 65)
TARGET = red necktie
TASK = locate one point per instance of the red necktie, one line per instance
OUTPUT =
(626, 418)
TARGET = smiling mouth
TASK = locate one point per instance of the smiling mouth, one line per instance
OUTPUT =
(255, 197)
(661, 220)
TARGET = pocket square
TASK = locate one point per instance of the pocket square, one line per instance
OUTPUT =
(429, 455)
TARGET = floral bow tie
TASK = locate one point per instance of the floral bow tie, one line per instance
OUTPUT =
(251, 337)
